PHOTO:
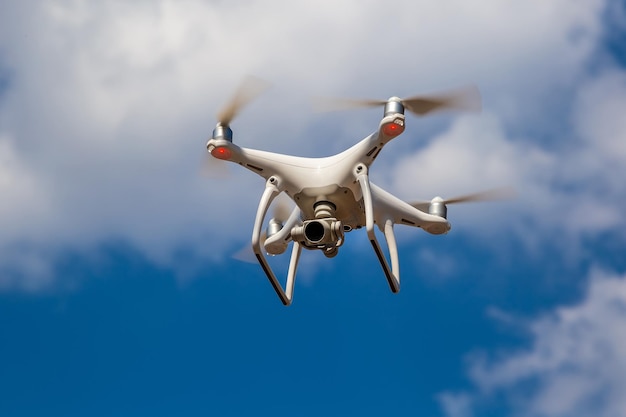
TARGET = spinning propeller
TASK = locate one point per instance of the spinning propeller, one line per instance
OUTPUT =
(467, 98)
(249, 89)
(438, 205)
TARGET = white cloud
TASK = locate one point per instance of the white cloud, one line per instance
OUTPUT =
(109, 105)
(568, 190)
(456, 405)
(574, 366)
(473, 154)
(26, 268)
(23, 194)
(599, 115)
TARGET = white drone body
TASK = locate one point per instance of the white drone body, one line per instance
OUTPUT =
(333, 195)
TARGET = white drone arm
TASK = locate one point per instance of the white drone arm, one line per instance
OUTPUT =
(388, 206)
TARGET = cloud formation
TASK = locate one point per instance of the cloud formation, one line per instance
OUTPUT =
(107, 107)
(575, 364)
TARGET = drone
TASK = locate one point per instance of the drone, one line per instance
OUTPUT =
(334, 195)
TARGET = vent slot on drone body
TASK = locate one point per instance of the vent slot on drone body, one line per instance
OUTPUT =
(256, 168)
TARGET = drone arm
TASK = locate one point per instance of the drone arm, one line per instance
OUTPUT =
(403, 213)
(285, 295)
(392, 275)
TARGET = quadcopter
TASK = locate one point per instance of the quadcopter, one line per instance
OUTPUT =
(333, 195)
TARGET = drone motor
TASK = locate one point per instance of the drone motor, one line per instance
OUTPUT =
(223, 132)
(274, 226)
(438, 207)
(394, 106)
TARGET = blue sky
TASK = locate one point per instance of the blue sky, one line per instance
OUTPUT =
(119, 295)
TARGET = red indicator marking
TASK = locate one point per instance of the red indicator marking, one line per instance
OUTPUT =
(392, 129)
(222, 153)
